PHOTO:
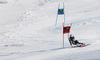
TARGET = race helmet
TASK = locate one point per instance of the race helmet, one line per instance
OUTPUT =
(72, 36)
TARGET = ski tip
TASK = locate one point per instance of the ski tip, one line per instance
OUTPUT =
(81, 46)
(72, 46)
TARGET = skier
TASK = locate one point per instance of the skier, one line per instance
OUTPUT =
(73, 41)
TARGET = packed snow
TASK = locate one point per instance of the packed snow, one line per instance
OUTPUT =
(28, 31)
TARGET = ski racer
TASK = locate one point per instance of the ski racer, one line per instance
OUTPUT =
(73, 41)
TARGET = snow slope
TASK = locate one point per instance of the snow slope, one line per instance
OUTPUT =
(28, 31)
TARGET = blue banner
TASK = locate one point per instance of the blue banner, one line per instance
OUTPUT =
(60, 11)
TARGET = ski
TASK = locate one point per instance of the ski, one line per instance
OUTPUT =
(80, 45)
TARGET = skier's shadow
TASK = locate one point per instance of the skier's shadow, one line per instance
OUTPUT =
(59, 48)
(53, 49)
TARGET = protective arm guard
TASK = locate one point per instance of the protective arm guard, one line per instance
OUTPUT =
(70, 41)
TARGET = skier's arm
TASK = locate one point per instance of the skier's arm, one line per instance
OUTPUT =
(70, 41)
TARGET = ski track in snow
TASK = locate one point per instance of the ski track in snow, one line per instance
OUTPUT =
(88, 21)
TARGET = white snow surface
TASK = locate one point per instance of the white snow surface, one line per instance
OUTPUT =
(28, 31)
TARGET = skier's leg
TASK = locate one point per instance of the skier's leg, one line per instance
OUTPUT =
(76, 42)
